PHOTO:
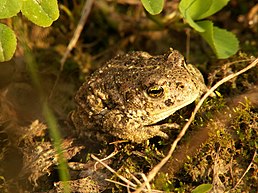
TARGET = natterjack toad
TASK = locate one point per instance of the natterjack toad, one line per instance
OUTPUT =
(132, 92)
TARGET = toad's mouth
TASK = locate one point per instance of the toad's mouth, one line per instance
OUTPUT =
(157, 116)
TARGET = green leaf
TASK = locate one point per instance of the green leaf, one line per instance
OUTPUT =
(223, 42)
(200, 9)
(226, 42)
(191, 9)
(215, 7)
(193, 24)
(7, 43)
(194, 8)
(154, 7)
(40, 12)
(203, 188)
(9, 8)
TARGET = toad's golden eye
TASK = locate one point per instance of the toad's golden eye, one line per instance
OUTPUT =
(155, 91)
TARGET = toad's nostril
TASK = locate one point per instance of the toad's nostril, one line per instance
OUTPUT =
(180, 85)
(169, 102)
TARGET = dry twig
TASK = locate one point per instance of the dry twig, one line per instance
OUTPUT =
(85, 13)
(114, 172)
(248, 168)
(106, 158)
(129, 185)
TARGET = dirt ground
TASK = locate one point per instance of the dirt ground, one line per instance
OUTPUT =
(36, 96)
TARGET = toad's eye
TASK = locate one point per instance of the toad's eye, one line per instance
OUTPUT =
(155, 91)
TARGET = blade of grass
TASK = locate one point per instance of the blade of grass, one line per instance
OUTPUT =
(50, 119)
(57, 141)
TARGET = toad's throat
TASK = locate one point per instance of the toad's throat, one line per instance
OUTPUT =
(155, 117)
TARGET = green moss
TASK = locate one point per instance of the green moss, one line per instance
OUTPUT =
(229, 151)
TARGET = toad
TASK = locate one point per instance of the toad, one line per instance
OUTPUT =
(131, 93)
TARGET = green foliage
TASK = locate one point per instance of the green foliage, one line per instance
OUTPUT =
(199, 9)
(153, 6)
(223, 43)
(9, 8)
(7, 43)
(203, 188)
(42, 13)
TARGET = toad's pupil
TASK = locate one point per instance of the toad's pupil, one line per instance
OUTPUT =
(155, 91)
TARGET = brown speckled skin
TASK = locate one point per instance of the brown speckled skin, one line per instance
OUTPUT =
(115, 98)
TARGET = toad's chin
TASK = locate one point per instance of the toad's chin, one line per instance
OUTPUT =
(163, 114)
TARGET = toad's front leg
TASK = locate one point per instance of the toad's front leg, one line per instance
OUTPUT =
(120, 125)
